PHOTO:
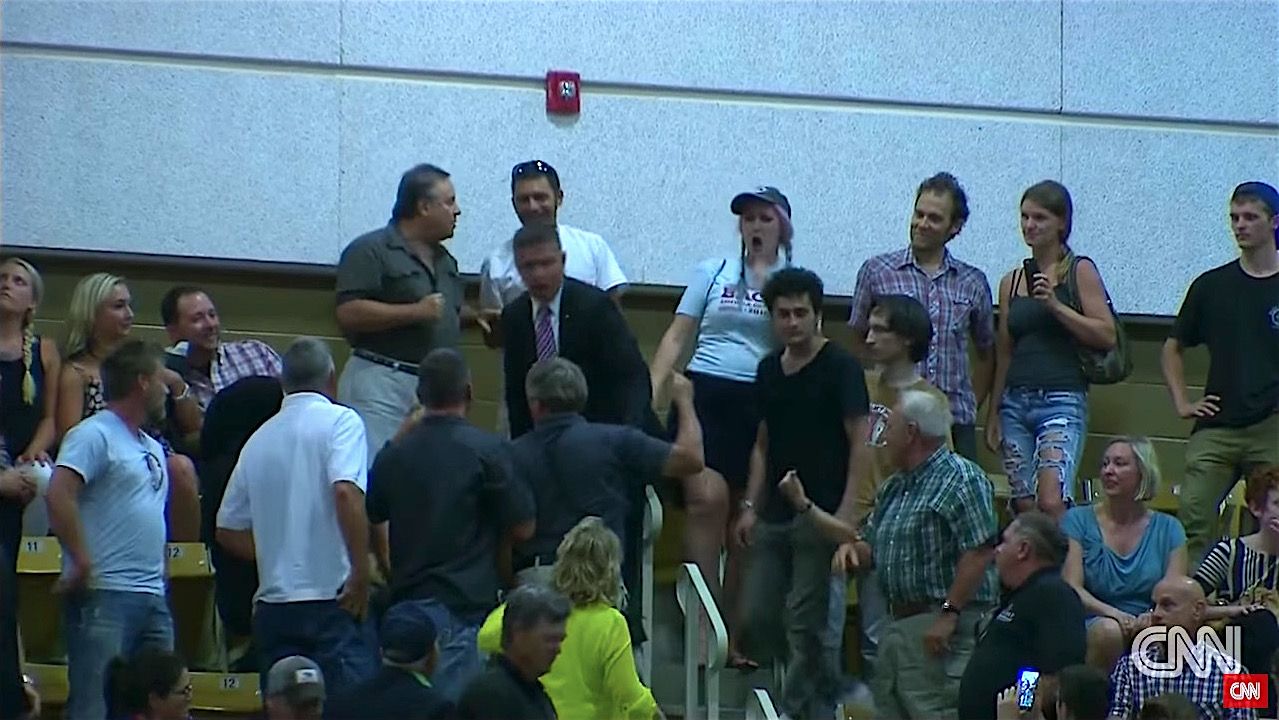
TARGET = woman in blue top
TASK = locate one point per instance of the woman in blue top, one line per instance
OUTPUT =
(1120, 549)
(722, 315)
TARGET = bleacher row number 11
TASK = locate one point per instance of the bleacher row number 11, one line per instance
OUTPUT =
(35, 546)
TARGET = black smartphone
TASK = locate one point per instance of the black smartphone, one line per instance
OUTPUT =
(1030, 269)
(1027, 684)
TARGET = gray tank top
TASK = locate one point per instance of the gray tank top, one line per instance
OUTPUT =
(1045, 356)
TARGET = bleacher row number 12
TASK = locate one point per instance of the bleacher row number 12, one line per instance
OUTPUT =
(230, 682)
(175, 552)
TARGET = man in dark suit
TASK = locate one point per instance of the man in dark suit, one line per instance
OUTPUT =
(559, 316)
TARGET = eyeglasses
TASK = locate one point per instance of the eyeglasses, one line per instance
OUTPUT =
(533, 167)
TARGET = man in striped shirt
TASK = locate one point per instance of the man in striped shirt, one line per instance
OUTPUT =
(930, 540)
(956, 294)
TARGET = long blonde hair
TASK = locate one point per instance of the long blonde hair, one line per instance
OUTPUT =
(1055, 198)
(88, 296)
(588, 564)
(28, 327)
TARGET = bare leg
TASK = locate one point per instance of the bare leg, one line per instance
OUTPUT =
(1105, 644)
(705, 516)
(183, 509)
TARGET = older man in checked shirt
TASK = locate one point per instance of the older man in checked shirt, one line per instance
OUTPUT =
(930, 541)
(956, 294)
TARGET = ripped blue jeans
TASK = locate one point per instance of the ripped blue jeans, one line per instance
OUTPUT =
(1042, 430)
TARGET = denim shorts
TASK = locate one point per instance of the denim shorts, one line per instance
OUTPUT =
(1042, 429)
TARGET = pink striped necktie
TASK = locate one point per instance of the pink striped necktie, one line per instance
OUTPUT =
(545, 334)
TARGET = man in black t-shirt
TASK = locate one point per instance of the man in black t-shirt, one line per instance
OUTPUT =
(1234, 310)
(446, 507)
(1039, 625)
(812, 397)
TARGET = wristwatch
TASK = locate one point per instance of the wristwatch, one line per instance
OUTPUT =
(949, 607)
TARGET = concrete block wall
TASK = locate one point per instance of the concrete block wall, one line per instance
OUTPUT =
(277, 130)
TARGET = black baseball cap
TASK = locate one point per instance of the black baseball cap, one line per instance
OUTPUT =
(408, 633)
(764, 193)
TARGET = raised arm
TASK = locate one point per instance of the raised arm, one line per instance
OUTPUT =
(670, 351)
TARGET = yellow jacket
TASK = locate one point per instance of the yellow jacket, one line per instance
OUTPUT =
(594, 677)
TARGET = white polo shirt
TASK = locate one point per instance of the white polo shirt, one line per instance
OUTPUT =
(586, 258)
(282, 490)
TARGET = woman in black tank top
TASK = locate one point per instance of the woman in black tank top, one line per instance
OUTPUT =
(1039, 419)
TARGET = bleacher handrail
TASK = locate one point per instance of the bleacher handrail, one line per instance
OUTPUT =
(759, 705)
(653, 520)
(695, 599)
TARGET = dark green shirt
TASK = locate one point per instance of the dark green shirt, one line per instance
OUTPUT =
(380, 266)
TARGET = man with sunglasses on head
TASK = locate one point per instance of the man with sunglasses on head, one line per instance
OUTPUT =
(399, 296)
(537, 196)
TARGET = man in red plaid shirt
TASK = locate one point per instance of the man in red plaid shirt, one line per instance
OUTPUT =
(199, 355)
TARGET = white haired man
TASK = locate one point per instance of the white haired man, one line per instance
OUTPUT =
(930, 540)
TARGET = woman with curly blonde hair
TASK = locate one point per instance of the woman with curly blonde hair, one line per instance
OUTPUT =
(594, 675)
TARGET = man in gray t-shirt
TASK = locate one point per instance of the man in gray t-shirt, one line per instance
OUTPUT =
(106, 505)
(399, 296)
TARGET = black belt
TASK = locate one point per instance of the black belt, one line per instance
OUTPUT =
(385, 361)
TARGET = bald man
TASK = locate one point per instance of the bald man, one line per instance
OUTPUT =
(1179, 602)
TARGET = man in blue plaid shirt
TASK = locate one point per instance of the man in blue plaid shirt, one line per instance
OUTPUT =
(930, 538)
(1179, 602)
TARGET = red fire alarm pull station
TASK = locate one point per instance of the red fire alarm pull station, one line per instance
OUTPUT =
(563, 93)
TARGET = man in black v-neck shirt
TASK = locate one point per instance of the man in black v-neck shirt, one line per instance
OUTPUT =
(1234, 310)
(814, 408)
(1039, 625)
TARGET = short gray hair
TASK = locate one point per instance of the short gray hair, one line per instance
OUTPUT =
(308, 365)
(531, 605)
(927, 411)
(558, 384)
(1043, 535)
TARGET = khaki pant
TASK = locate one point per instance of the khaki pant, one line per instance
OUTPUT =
(1215, 458)
(910, 684)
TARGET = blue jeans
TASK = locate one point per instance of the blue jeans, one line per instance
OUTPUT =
(343, 647)
(100, 625)
(1043, 430)
(459, 661)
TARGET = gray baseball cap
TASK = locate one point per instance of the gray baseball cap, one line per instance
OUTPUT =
(296, 678)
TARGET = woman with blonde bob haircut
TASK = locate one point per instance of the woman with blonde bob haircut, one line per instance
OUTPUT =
(1120, 549)
(594, 675)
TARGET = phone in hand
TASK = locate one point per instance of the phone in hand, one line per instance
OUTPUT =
(1027, 685)
(1030, 269)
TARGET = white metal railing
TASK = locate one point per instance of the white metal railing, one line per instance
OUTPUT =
(695, 599)
(759, 705)
(652, 530)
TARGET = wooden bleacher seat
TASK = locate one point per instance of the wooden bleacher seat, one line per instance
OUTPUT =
(190, 601)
